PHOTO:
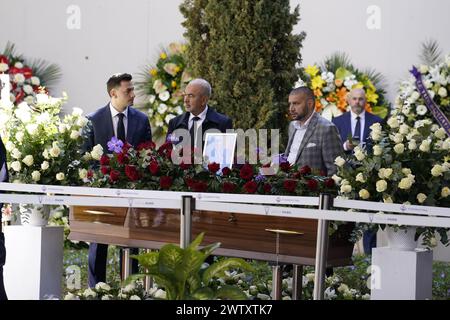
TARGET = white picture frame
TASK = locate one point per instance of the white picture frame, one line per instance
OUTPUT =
(220, 148)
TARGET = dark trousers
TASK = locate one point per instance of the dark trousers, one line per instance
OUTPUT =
(2, 263)
(98, 253)
(369, 241)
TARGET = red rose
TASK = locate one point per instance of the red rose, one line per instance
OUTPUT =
(114, 176)
(305, 170)
(323, 173)
(126, 146)
(165, 148)
(267, 188)
(296, 175)
(226, 171)
(312, 185)
(228, 187)
(131, 173)
(104, 160)
(185, 166)
(285, 166)
(154, 167)
(246, 172)
(213, 167)
(165, 182)
(122, 158)
(4, 59)
(27, 72)
(250, 187)
(290, 185)
(90, 174)
(189, 182)
(199, 186)
(149, 145)
(329, 183)
(105, 169)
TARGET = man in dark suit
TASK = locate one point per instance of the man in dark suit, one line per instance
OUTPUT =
(118, 119)
(199, 117)
(3, 178)
(356, 124)
(313, 140)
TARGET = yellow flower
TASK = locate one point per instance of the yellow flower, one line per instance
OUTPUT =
(153, 72)
(359, 85)
(163, 56)
(371, 96)
(317, 82)
(312, 70)
(174, 84)
(183, 48)
(177, 69)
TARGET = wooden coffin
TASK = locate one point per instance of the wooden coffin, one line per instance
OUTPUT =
(240, 235)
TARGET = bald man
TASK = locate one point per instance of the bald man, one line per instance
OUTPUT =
(356, 122)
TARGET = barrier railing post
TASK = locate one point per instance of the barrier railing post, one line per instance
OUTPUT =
(325, 203)
(187, 206)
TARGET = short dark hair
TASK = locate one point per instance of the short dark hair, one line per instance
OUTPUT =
(306, 91)
(115, 80)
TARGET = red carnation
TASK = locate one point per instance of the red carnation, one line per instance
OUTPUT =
(213, 167)
(228, 187)
(104, 160)
(226, 171)
(312, 185)
(122, 158)
(114, 176)
(105, 169)
(305, 170)
(250, 187)
(165, 182)
(246, 172)
(329, 183)
(290, 185)
(154, 167)
(131, 172)
(285, 166)
(267, 188)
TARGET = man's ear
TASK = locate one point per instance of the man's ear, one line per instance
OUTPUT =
(112, 93)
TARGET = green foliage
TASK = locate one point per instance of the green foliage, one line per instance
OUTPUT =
(247, 51)
(180, 272)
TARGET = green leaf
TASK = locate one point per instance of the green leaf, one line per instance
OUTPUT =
(210, 248)
(218, 268)
(230, 293)
(203, 294)
(380, 111)
(198, 240)
(147, 259)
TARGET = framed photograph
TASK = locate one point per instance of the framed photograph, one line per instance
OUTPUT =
(219, 148)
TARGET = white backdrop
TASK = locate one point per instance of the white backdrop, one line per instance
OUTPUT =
(115, 35)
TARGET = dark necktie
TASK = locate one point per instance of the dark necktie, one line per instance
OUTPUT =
(357, 132)
(121, 128)
(193, 130)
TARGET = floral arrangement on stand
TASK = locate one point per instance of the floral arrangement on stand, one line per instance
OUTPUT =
(162, 87)
(27, 77)
(335, 77)
(409, 163)
(41, 147)
(102, 291)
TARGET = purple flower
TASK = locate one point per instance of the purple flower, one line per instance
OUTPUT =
(279, 159)
(115, 145)
(260, 178)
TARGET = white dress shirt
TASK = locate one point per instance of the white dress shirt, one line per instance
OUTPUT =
(300, 131)
(198, 123)
(115, 119)
(362, 120)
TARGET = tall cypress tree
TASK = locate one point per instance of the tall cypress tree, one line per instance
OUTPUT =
(246, 49)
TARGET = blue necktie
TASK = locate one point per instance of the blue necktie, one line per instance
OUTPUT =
(357, 132)
(121, 128)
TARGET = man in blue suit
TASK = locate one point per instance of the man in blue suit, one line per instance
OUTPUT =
(118, 119)
(356, 124)
(3, 178)
(198, 114)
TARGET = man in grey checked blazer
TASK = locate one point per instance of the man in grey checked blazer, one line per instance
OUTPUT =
(313, 140)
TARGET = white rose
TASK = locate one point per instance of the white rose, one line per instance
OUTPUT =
(440, 133)
(412, 145)
(151, 99)
(130, 287)
(425, 146)
(377, 150)
(446, 144)
(364, 194)
(62, 128)
(29, 99)
(45, 165)
(162, 108)
(376, 136)
(164, 96)
(89, 293)
(28, 89)
(102, 286)
(16, 166)
(343, 288)
(360, 178)
(60, 176)
(437, 170)
(35, 81)
(406, 171)
(55, 151)
(28, 160)
(381, 185)
(423, 69)
(442, 92)
(9, 146)
(74, 134)
(339, 161)
(71, 296)
(405, 184)
(404, 129)
(168, 118)
(359, 154)
(18, 65)
(3, 67)
(135, 297)
(376, 127)
(82, 173)
(82, 121)
(399, 148)
(393, 122)
(16, 154)
(77, 111)
(107, 297)
(346, 188)
(397, 138)
(32, 128)
(421, 197)
(414, 96)
(387, 199)
(19, 136)
(445, 192)
(97, 152)
(19, 78)
(431, 93)
(421, 110)
(36, 175)
(406, 110)
(336, 179)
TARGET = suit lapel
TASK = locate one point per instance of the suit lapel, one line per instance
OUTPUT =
(109, 124)
(291, 138)
(309, 131)
(131, 126)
